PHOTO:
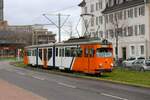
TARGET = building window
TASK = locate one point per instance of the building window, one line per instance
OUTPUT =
(125, 14)
(119, 15)
(101, 19)
(142, 29)
(130, 31)
(92, 7)
(97, 20)
(100, 4)
(125, 31)
(111, 33)
(111, 18)
(135, 12)
(130, 13)
(106, 34)
(92, 21)
(85, 10)
(101, 34)
(97, 6)
(136, 30)
(142, 11)
(132, 50)
(142, 49)
(120, 32)
(106, 18)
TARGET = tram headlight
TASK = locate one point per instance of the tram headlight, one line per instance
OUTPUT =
(100, 65)
(112, 64)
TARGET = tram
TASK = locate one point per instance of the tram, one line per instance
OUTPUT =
(93, 56)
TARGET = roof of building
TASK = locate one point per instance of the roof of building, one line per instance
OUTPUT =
(9, 42)
(124, 5)
(6, 32)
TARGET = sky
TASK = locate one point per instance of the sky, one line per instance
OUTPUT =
(29, 12)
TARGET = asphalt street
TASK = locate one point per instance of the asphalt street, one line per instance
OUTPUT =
(57, 87)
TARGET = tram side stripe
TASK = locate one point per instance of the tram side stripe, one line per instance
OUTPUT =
(71, 65)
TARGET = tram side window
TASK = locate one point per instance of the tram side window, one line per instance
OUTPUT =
(33, 52)
(56, 52)
(73, 52)
(29, 52)
(67, 52)
(49, 53)
(91, 52)
(61, 52)
(79, 52)
(86, 52)
(40, 53)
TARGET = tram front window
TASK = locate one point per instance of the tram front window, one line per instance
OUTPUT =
(103, 52)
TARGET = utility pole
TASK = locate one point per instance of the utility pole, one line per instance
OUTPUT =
(59, 25)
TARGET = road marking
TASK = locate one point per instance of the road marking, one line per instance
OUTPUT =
(39, 78)
(67, 85)
(21, 73)
(10, 70)
(112, 96)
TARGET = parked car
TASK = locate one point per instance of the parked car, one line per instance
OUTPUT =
(141, 65)
(129, 61)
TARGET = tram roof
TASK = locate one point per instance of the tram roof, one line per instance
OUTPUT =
(73, 42)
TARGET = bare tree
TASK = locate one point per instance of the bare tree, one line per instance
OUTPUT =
(118, 26)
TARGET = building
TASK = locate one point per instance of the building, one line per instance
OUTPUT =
(10, 48)
(1, 10)
(42, 36)
(32, 34)
(95, 23)
(128, 21)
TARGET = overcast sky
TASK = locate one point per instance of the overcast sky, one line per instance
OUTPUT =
(29, 11)
(26, 12)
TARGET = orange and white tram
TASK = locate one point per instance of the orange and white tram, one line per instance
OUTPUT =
(92, 56)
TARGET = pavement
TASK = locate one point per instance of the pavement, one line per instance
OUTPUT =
(42, 86)
(12, 92)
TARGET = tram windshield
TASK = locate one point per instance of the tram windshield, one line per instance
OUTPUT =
(104, 52)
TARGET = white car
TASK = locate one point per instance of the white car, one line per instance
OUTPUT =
(129, 61)
(141, 65)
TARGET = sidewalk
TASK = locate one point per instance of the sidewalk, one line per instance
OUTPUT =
(12, 92)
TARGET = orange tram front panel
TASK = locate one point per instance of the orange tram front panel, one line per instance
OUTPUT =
(90, 63)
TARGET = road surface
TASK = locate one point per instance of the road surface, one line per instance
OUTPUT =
(57, 87)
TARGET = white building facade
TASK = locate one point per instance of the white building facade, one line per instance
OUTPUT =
(127, 20)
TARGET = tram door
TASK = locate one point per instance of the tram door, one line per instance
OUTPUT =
(34, 57)
(89, 57)
(91, 60)
(86, 60)
(62, 55)
(45, 58)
